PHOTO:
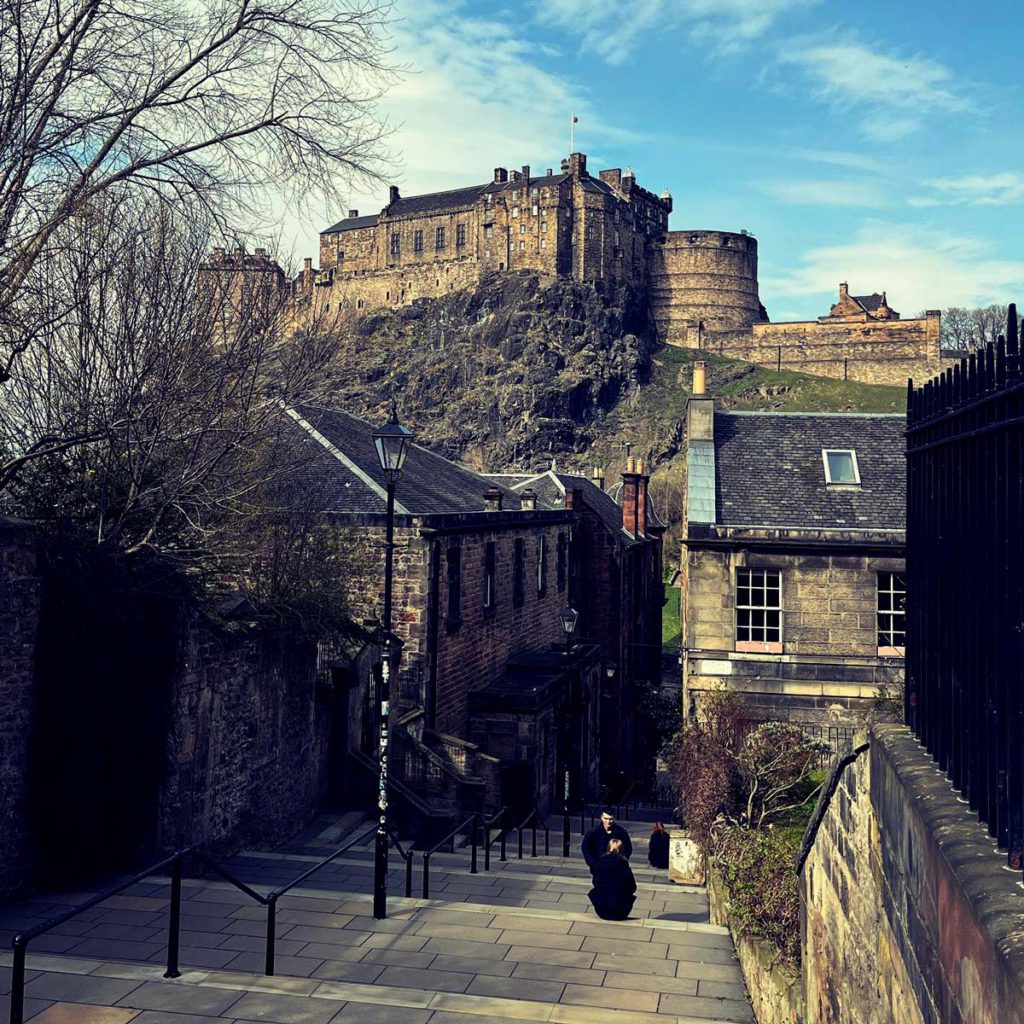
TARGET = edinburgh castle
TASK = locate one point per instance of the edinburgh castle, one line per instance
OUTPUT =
(701, 285)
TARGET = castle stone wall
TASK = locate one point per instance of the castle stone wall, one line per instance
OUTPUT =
(707, 278)
(872, 351)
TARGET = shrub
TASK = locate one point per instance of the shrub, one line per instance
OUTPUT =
(764, 898)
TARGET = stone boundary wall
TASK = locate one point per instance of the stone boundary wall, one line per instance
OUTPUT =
(775, 990)
(872, 352)
(19, 619)
(910, 913)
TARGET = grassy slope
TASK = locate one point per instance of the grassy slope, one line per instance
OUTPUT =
(670, 629)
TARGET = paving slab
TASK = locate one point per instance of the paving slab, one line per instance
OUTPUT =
(612, 999)
(170, 995)
(79, 988)
(331, 970)
(715, 1009)
(473, 965)
(82, 1013)
(283, 1009)
(429, 980)
(516, 988)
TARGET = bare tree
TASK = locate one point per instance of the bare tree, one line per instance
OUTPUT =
(135, 422)
(965, 329)
(207, 102)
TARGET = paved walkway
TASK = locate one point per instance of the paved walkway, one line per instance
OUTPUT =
(520, 943)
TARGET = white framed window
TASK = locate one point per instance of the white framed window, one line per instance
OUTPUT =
(515, 211)
(488, 231)
(522, 245)
(840, 466)
(522, 229)
(543, 243)
(758, 610)
(891, 603)
(515, 193)
(535, 210)
(543, 227)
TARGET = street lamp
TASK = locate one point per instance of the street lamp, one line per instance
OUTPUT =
(392, 443)
(568, 618)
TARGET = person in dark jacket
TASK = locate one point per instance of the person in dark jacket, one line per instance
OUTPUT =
(614, 891)
(657, 851)
(595, 842)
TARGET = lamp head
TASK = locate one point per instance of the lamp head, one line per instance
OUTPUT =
(568, 617)
(392, 442)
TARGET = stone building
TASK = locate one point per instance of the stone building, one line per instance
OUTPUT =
(793, 578)
(615, 563)
(482, 574)
(861, 338)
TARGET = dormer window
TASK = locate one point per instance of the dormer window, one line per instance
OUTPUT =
(841, 467)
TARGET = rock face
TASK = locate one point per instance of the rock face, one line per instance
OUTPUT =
(516, 371)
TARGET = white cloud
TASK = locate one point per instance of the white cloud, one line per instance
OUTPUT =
(919, 267)
(825, 192)
(612, 31)
(890, 94)
(1002, 189)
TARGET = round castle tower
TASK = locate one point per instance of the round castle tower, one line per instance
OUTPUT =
(703, 283)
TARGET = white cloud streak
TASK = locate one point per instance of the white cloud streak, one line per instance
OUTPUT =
(825, 192)
(889, 94)
(919, 267)
(1001, 189)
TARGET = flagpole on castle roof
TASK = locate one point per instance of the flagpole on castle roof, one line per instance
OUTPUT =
(572, 133)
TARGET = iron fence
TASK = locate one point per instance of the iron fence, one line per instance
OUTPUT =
(965, 559)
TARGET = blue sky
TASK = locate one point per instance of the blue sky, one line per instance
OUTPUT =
(878, 143)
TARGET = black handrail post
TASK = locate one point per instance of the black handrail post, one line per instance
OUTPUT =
(504, 836)
(174, 929)
(566, 829)
(426, 874)
(533, 841)
(520, 831)
(271, 932)
(408, 875)
(547, 841)
(487, 847)
(583, 828)
(18, 981)
(474, 839)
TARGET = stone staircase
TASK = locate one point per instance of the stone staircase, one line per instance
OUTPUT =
(519, 943)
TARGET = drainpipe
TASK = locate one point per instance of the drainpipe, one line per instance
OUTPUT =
(433, 617)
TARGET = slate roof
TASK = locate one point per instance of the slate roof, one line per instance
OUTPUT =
(355, 483)
(769, 470)
(869, 302)
(351, 224)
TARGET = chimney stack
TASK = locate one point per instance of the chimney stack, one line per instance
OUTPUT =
(634, 498)
(500, 175)
(844, 290)
(549, 172)
(529, 500)
(352, 214)
(526, 173)
(393, 195)
(699, 378)
(598, 477)
(492, 499)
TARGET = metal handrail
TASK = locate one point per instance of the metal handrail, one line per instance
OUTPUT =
(533, 818)
(19, 944)
(502, 835)
(474, 823)
(276, 894)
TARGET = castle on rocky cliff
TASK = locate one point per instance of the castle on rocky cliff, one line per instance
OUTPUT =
(701, 285)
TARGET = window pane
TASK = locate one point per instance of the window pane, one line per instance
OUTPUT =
(840, 468)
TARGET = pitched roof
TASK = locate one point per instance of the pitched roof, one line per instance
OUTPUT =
(351, 223)
(346, 476)
(869, 303)
(769, 470)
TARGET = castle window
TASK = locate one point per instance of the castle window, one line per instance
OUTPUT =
(840, 467)
(518, 574)
(534, 191)
(616, 239)
(515, 193)
(543, 227)
(591, 231)
(542, 566)
(892, 614)
(395, 243)
(341, 255)
(515, 211)
(439, 238)
(488, 231)
(522, 245)
(536, 210)
(460, 234)
(543, 243)
(562, 560)
(758, 610)
(417, 241)
(522, 229)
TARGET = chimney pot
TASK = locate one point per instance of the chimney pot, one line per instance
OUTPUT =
(631, 465)
(640, 467)
(529, 500)
(699, 378)
(492, 500)
(598, 477)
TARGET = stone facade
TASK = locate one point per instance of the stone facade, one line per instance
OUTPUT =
(910, 916)
(871, 351)
(19, 618)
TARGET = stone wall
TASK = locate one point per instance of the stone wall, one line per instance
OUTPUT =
(873, 351)
(829, 659)
(19, 618)
(248, 738)
(911, 916)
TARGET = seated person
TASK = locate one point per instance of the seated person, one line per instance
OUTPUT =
(614, 891)
(657, 851)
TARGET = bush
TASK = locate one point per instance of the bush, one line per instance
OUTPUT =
(757, 867)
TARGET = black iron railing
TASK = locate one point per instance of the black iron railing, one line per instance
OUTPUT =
(965, 562)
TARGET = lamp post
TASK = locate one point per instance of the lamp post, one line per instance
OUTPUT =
(568, 618)
(392, 443)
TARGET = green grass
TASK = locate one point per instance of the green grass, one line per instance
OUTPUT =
(671, 631)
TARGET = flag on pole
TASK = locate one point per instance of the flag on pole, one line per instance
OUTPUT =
(575, 119)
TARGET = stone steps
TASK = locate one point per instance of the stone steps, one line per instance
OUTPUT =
(519, 943)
